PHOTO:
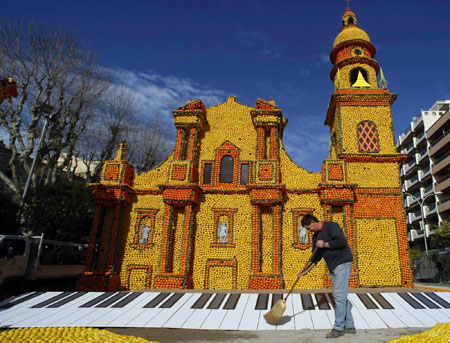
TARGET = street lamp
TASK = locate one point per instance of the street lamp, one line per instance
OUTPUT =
(45, 109)
(425, 230)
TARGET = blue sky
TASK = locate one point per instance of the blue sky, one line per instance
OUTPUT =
(170, 51)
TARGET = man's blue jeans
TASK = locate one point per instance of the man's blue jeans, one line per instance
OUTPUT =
(339, 279)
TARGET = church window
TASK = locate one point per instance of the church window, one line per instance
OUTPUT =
(207, 174)
(244, 173)
(226, 169)
(354, 75)
(368, 137)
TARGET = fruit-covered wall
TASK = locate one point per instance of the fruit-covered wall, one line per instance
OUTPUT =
(224, 210)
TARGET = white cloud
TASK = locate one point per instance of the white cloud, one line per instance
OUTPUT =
(159, 95)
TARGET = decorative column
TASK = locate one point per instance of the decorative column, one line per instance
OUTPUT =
(180, 194)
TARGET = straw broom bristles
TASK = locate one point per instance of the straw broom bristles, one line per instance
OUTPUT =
(275, 314)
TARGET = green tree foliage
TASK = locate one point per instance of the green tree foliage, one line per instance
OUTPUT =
(415, 254)
(441, 236)
(62, 211)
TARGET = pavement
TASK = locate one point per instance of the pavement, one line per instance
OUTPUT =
(285, 336)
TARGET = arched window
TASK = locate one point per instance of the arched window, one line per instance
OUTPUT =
(226, 169)
(354, 75)
(368, 137)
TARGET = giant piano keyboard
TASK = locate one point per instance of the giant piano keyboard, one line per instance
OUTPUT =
(220, 311)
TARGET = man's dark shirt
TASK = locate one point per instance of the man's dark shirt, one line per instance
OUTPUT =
(338, 252)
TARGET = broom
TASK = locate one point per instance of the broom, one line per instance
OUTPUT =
(274, 315)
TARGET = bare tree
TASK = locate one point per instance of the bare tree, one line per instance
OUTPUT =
(106, 130)
(148, 145)
(50, 66)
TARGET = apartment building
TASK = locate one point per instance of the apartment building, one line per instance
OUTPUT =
(425, 171)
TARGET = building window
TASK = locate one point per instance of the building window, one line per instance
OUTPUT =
(207, 174)
(368, 137)
(244, 174)
(226, 169)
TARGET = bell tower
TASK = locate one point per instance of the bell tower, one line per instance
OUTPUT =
(362, 170)
(359, 114)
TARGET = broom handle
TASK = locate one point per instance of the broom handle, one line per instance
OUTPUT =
(304, 268)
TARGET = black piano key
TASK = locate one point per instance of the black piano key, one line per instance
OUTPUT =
(386, 305)
(427, 302)
(157, 300)
(368, 303)
(307, 302)
(438, 299)
(262, 301)
(322, 301)
(127, 300)
(275, 298)
(21, 300)
(51, 300)
(111, 300)
(410, 300)
(172, 300)
(66, 300)
(95, 301)
(201, 302)
(217, 301)
(231, 302)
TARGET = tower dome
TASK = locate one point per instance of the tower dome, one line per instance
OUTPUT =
(353, 54)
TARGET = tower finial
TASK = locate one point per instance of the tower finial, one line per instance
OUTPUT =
(348, 5)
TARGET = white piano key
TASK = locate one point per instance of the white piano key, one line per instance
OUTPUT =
(439, 314)
(166, 313)
(233, 317)
(421, 314)
(215, 317)
(197, 317)
(302, 318)
(83, 316)
(183, 313)
(10, 313)
(22, 313)
(250, 316)
(330, 312)
(403, 314)
(144, 315)
(370, 317)
(319, 318)
(444, 295)
(287, 321)
(126, 316)
(388, 316)
(50, 315)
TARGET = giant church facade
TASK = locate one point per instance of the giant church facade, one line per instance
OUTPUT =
(223, 211)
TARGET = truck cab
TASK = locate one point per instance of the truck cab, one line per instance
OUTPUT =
(14, 256)
(37, 263)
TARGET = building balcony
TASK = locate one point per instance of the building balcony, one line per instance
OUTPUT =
(441, 163)
(405, 135)
(422, 155)
(443, 184)
(414, 234)
(429, 210)
(412, 182)
(417, 121)
(414, 216)
(444, 206)
(439, 144)
(423, 174)
(410, 166)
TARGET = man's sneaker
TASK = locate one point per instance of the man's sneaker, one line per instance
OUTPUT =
(350, 330)
(335, 333)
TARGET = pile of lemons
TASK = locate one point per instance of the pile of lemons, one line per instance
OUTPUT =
(439, 334)
(65, 335)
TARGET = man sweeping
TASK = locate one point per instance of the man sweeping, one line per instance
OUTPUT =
(333, 247)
